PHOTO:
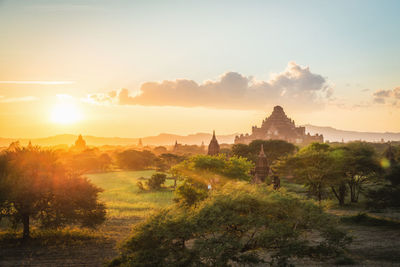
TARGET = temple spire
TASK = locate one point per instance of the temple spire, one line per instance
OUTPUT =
(213, 147)
(262, 154)
(261, 169)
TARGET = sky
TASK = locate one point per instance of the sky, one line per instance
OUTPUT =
(139, 68)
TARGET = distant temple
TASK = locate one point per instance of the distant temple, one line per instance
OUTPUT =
(262, 169)
(213, 147)
(279, 127)
(140, 143)
(80, 144)
(176, 146)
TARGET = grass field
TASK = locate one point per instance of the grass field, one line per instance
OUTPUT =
(124, 199)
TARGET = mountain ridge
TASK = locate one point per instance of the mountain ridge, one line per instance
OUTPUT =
(330, 134)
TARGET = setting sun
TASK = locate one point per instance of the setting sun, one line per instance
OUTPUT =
(65, 113)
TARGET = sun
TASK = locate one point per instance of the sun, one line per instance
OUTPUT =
(65, 113)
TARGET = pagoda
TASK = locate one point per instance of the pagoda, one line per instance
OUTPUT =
(262, 169)
(213, 147)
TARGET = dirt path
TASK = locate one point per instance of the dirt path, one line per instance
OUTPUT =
(93, 251)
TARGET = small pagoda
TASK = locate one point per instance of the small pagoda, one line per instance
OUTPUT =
(262, 169)
(213, 147)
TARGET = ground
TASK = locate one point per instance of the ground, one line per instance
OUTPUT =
(375, 243)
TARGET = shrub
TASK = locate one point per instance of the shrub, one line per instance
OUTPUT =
(237, 225)
(156, 181)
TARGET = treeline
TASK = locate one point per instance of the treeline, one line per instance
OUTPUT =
(341, 171)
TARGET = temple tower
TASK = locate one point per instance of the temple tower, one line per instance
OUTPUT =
(80, 144)
(213, 147)
(262, 168)
(140, 143)
(176, 146)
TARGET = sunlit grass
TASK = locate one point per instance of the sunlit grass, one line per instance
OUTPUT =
(124, 199)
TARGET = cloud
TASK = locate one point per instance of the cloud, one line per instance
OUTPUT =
(296, 86)
(38, 82)
(17, 99)
(387, 96)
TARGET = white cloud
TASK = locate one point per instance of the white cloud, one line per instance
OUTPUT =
(296, 86)
(17, 99)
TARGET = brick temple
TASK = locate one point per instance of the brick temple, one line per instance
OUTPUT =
(279, 127)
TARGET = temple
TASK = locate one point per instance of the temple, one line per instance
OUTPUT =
(262, 169)
(80, 144)
(279, 127)
(213, 147)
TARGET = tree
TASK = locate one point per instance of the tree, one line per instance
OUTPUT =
(361, 165)
(316, 167)
(135, 160)
(238, 225)
(202, 171)
(37, 187)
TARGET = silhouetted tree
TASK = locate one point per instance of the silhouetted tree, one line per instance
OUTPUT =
(273, 149)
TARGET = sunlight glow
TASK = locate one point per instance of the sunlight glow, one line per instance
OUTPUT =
(65, 113)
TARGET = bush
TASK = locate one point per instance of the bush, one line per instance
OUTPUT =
(156, 181)
(237, 225)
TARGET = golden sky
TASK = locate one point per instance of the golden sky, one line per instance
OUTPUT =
(138, 68)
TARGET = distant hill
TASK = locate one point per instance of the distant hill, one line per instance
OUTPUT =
(164, 139)
(335, 135)
(161, 139)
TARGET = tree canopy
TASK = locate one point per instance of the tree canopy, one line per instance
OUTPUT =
(239, 224)
(202, 172)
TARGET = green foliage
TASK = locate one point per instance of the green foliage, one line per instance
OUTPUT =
(156, 181)
(314, 166)
(342, 169)
(273, 149)
(190, 193)
(214, 169)
(35, 186)
(202, 171)
(360, 165)
(239, 224)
